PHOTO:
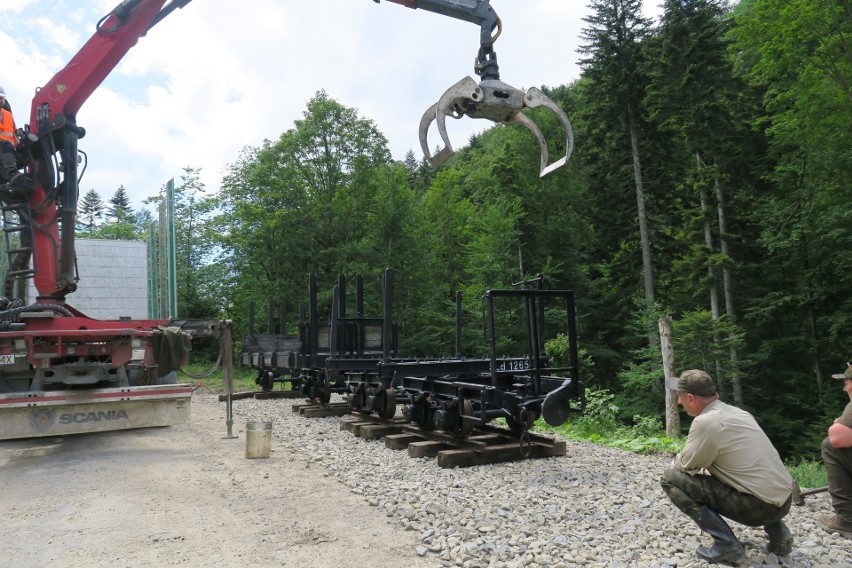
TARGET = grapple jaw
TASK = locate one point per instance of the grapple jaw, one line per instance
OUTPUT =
(496, 101)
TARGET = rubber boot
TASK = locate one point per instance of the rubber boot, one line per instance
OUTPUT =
(780, 538)
(726, 547)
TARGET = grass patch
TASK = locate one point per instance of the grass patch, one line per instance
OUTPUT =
(242, 378)
(623, 437)
(808, 474)
(599, 424)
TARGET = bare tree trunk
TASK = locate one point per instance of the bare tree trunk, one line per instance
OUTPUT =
(644, 236)
(521, 261)
(734, 371)
(711, 272)
(815, 346)
(644, 233)
(672, 415)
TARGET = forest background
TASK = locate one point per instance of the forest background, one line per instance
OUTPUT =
(710, 183)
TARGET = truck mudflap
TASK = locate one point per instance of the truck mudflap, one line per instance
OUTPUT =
(59, 413)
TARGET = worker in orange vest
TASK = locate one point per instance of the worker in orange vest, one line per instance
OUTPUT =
(8, 140)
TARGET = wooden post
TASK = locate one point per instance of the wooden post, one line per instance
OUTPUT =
(672, 415)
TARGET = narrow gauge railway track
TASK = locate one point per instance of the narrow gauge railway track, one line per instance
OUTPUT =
(262, 395)
(313, 409)
(487, 444)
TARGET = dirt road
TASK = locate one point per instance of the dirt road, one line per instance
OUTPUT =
(182, 496)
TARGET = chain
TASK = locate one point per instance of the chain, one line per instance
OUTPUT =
(205, 374)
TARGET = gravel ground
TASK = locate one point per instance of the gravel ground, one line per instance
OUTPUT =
(596, 506)
(183, 496)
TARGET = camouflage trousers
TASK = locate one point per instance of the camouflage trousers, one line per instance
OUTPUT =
(691, 492)
(838, 466)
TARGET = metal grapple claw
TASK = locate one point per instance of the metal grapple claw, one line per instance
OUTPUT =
(535, 98)
(498, 102)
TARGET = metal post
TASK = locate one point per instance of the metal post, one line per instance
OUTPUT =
(534, 338)
(227, 373)
(492, 342)
(333, 331)
(341, 284)
(458, 325)
(387, 314)
(162, 262)
(359, 314)
(313, 321)
(359, 296)
(153, 271)
(170, 192)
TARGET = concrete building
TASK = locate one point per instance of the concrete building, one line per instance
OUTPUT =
(113, 279)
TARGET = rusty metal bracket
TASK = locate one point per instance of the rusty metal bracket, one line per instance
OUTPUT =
(799, 495)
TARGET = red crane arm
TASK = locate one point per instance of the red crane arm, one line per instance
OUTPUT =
(116, 33)
(53, 201)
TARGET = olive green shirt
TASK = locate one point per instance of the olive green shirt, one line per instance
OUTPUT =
(846, 417)
(728, 442)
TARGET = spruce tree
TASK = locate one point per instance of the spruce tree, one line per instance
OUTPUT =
(693, 96)
(120, 205)
(614, 87)
(91, 209)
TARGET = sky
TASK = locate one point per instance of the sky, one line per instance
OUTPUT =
(213, 78)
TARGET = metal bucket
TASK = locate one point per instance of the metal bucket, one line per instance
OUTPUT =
(258, 439)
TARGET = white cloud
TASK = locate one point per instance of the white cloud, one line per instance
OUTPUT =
(213, 78)
(13, 9)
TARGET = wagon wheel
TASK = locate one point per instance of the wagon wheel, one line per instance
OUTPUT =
(387, 403)
(325, 393)
(464, 427)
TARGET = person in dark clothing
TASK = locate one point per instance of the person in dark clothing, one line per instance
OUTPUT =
(9, 171)
(837, 457)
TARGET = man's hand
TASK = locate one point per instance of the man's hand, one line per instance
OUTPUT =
(840, 436)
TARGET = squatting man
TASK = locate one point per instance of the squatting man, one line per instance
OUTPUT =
(837, 458)
(728, 468)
